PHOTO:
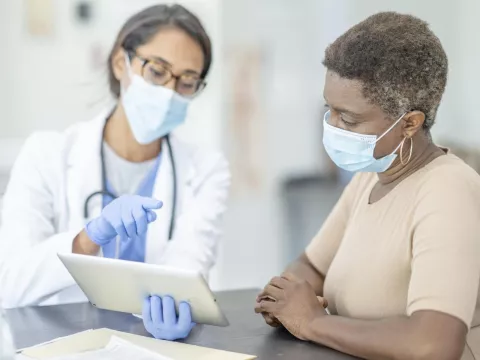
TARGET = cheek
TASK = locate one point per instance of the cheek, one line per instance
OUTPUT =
(387, 145)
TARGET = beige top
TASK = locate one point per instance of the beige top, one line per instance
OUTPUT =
(417, 248)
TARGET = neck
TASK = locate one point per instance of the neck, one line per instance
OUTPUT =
(119, 137)
(424, 151)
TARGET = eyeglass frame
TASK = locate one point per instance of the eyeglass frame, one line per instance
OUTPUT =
(201, 86)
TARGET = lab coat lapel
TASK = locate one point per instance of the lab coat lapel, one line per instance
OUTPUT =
(84, 171)
(157, 236)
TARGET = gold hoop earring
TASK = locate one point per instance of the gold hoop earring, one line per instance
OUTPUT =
(409, 155)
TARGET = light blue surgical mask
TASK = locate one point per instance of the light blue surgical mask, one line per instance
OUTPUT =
(354, 152)
(152, 111)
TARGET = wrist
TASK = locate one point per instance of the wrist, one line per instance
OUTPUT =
(313, 326)
(82, 244)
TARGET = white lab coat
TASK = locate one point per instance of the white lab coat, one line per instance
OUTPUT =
(43, 212)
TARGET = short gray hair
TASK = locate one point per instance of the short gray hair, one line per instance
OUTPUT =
(399, 61)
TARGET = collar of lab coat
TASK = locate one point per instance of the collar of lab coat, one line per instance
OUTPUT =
(84, 178)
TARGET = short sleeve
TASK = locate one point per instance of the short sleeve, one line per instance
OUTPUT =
(446, 245)
(324, 245)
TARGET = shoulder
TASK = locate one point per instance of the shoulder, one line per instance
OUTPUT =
(448, 189)
(47, 145)
(448, 176)
(46, 148)
(43, 146)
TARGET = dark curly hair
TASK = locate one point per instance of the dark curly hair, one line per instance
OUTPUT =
(399, 61)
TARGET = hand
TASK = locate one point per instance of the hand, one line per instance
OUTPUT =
(160, 318)
(127, 216)
(269, 318)
(272, 320)
(295, 304)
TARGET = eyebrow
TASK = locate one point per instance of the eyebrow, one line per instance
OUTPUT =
(165, 62)
(338, 109)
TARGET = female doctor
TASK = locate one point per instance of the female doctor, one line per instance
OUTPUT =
(96, 188)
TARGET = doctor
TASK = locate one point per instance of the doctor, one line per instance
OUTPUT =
(96, 188)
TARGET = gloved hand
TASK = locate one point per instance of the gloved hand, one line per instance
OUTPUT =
(160, 318)
(127, 216)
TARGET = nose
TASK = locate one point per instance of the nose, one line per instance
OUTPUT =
(171, 84)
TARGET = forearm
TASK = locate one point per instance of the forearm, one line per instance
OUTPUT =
(83, 245)
(398, 338)
(303, 269)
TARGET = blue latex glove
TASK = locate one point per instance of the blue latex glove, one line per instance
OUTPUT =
(160, 318)
(127, 216)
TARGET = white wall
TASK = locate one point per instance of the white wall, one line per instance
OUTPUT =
(291, 134)
(465, 115)
(3, 61)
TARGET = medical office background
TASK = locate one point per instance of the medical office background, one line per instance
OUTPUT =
(263, 104)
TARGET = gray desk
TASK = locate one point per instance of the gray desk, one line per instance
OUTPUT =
(246, 334)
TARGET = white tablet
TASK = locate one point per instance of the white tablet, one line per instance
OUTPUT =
(120, 285)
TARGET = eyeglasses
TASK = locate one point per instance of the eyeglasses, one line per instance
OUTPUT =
(157, 73)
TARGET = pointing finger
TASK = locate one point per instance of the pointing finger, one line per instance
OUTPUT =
(149, 204)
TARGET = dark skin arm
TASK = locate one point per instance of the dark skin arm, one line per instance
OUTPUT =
(303, 269)
(83, 245)
(424, 335)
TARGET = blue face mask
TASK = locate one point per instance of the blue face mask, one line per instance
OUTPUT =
(354, 152)
(152, 111)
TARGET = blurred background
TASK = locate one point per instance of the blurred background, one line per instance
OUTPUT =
(263, 106)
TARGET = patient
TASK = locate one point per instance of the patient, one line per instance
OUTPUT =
(398, 259)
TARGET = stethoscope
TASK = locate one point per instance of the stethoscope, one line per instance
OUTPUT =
(105, 192)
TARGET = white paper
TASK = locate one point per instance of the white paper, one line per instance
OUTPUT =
(116, 349)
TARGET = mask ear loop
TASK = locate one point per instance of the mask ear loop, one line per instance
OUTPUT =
(390, 128)
(401, 151)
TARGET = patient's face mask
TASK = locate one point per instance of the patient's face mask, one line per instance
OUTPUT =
(152, 111)
(355, 152)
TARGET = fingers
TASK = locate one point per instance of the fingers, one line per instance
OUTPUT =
(274, 289)
(323, 301)
(169, 313)
(129, 222)
(279, 282)
(156, 310)
(160, 318)
(268, 317)
(146, 311)
(151, 216)
(271, 320)
(184, 316)
(273, 292)
(140, 220)
(117, 224)
(266, 306)
(150, 204)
